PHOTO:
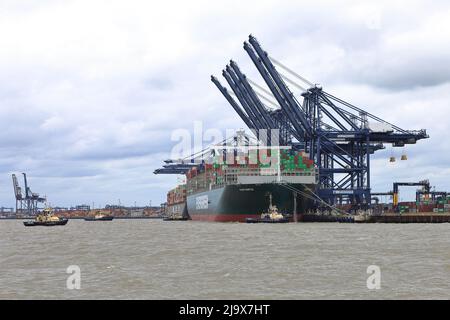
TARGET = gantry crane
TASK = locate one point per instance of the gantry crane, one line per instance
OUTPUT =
(338, 136)
(426, 190)
(27, 204)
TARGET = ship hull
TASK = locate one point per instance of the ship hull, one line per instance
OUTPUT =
(61, 222)
(108, 218)
(176, 211)
(236, 203)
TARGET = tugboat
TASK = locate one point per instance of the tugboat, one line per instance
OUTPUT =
(361, 217)
(176, 218)
(272, 216)
(99, 217)
(46, 218)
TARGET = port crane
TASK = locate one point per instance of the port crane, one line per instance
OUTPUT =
(425, 184)
(26, 203)
(338, 136)
(425, 190)
(239, 141)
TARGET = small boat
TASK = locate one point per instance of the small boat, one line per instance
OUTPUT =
(176, 218)
(99, 217)
(361, 217)
(253, 220)
(272, 216)
(46, 218)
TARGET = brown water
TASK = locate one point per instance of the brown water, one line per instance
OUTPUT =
(152, 259)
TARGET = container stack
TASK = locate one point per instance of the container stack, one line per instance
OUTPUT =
(289, 161)
(177, 195)
(294, 162)
(225, 168)
(440, 205)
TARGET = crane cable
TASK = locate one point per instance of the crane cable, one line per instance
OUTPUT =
(264, 105)
(272, 102)
(291, 71)
(316, 198)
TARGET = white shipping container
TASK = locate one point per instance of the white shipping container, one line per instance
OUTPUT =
(380, 127)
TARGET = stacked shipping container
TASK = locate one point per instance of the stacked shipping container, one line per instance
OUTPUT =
(255, 162)
(177, 195)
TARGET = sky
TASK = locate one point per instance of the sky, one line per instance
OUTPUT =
(92, 91)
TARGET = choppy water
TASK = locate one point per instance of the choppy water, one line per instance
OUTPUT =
(152, 259)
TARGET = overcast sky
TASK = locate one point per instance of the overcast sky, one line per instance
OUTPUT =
(90, 91)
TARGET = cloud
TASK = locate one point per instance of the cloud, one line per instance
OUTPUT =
(90, 91)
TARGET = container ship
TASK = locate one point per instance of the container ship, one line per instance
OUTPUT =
(241, 190)
(239, 179)
(234, 186)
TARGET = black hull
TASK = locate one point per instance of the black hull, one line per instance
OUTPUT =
(176, 219)
(45, 224)
(325, 218)
(251, 220)
(99, 219)
(236, 203)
